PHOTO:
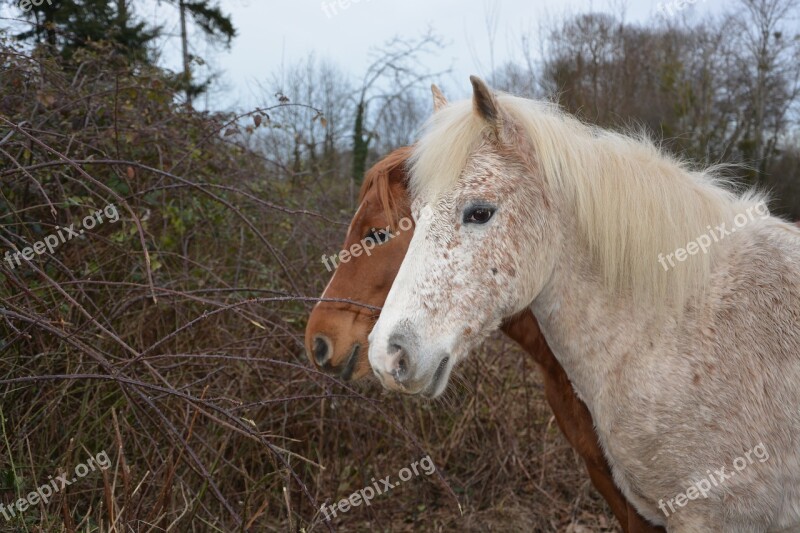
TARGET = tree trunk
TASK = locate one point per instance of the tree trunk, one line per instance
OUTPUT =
(187, 74)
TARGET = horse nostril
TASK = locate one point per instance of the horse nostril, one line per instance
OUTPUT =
(320, 350)
(402, 365)
(400, 372)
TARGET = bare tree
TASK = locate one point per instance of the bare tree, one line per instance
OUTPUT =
(769, 59)
(395, 77)
(309, 139)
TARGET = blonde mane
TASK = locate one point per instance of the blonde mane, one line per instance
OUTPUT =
(631, 200)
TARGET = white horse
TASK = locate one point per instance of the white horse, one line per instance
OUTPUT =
(672, 302)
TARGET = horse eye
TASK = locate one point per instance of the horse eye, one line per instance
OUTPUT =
(379, 236)
(478, 214)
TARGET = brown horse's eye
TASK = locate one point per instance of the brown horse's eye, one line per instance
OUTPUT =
(378, 236)
(478, 214)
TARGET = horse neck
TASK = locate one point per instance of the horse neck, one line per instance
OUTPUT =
(592, 333)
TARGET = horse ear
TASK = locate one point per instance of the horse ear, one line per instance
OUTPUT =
(484, 103)
(439, 101)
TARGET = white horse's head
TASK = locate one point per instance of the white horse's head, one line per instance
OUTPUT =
(464, 271)
(508, 192)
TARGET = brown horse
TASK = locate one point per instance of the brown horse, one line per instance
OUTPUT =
(336, 335)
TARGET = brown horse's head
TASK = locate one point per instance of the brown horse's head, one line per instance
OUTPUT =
(336, 335)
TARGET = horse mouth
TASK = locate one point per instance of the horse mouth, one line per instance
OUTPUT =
(431, 391)
(350, 366)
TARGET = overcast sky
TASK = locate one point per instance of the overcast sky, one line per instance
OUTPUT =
(276, 32)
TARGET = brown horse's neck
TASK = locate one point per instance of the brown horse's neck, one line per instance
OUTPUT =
(524, 329)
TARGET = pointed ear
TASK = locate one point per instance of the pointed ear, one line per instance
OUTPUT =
(439, 101)
(485, 104)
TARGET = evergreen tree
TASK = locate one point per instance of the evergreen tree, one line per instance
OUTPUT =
(68, 25)
(214, 24)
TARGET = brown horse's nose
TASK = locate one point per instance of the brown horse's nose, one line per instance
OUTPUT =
(322, 349)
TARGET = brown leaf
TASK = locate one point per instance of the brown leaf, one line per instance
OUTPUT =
(131, 174)
(46, 99)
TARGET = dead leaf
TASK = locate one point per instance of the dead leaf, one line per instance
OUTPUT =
(46, 99)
